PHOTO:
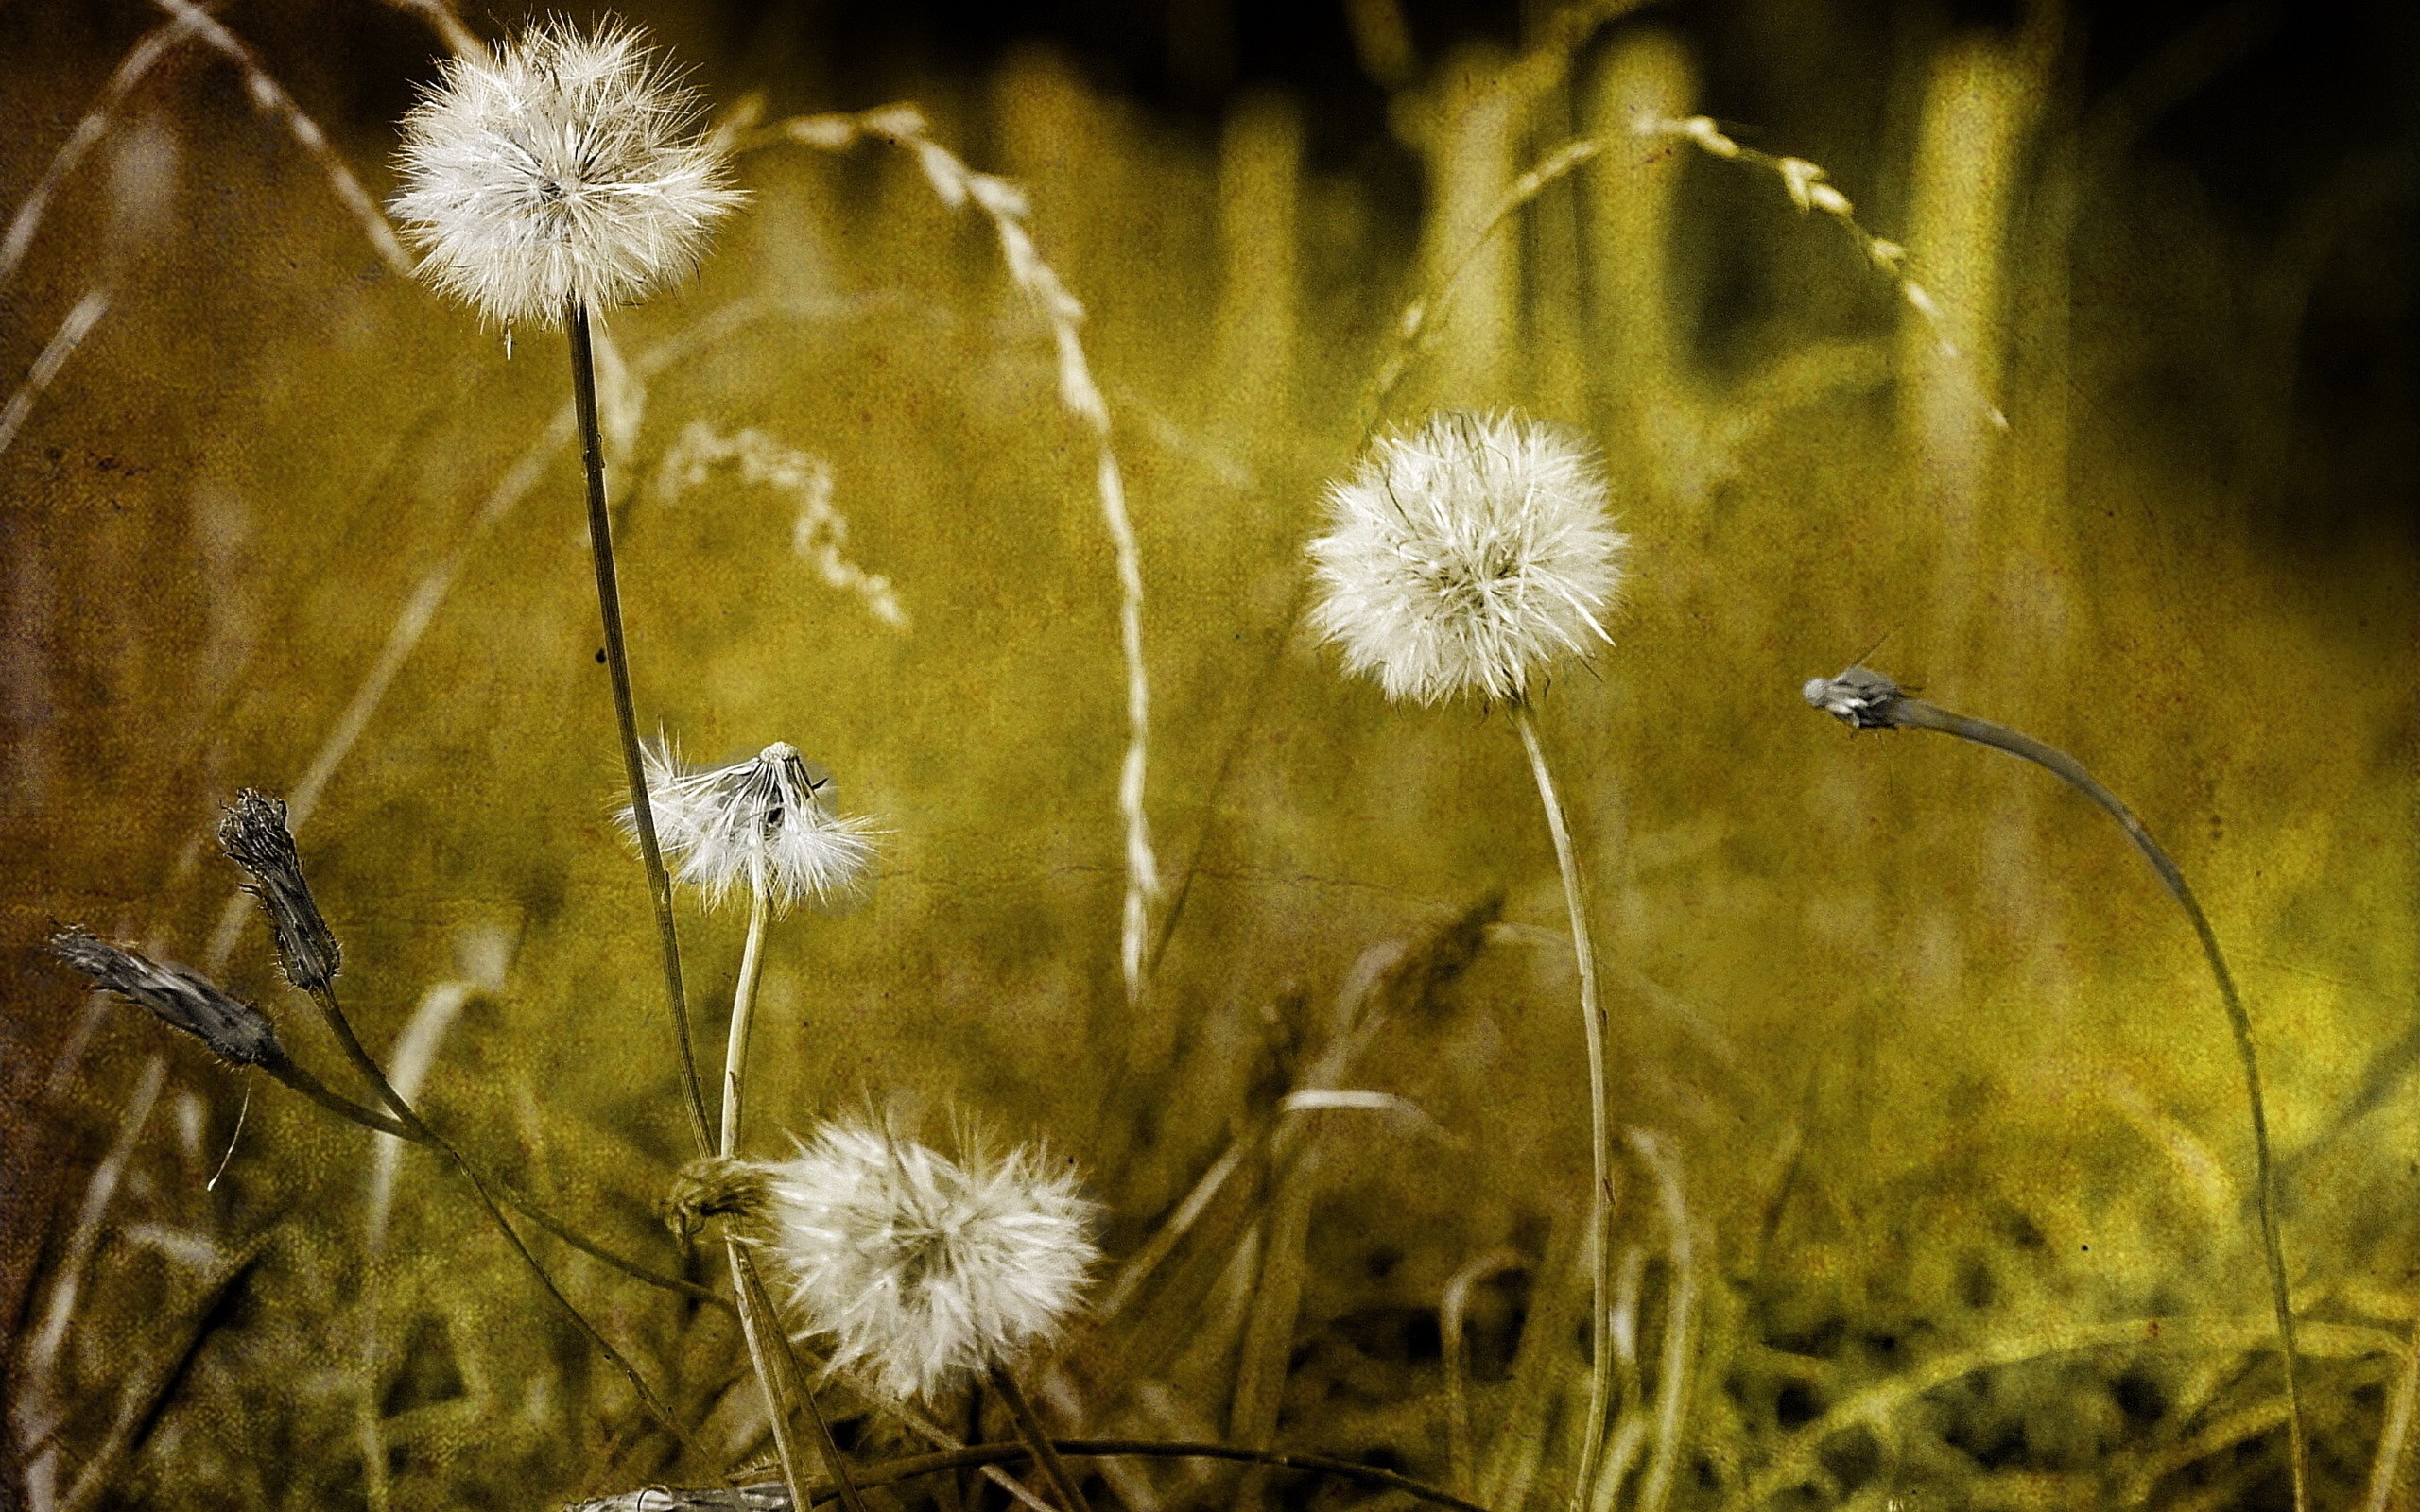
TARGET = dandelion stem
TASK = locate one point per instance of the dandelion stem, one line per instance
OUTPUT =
(777, 1412)
(796, 1374)
(618, 663)
(1601, 1197)
(1879, 703)
(754, 1317)
(332, 1012)
(1046, 1453)
(743, 1007)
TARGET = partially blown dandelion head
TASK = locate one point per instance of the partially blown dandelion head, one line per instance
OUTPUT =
(919, 1269)
(764, 824)
(565, 166)
(1466, 556)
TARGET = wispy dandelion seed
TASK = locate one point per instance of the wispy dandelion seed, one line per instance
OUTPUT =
(1466, 556)
(766, 823)
(919, 1269)
(564, 168)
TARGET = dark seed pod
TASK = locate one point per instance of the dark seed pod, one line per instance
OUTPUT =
(253, 834)
(180, 996)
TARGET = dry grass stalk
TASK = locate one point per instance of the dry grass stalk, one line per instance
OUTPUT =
(269, 98)
(1811, 191)
(1004, 204)
(85, 314)
(89, 131)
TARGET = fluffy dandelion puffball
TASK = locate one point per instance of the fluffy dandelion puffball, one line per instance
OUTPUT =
(920, 1269)
(566, 165)
(1464, 556)
(762, 824)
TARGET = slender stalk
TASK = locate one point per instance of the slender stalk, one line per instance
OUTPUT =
(1914, 713)
(796, 1374)
(777, 1412)
(1452, 1310)
(977, 1456)
(1868, 700)
(2388, 1464)
(334, 1013)
(618, 663)
(743, 1007)
(1045, 1453)
(1600, 1149)
(754, 1320)
(310, 1087)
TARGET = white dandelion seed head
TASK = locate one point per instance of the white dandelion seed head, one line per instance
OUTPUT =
(565, 166)
(766, 823)
(918, 1269)
(1466, 556)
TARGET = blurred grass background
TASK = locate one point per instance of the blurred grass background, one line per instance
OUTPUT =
(1931, 1062)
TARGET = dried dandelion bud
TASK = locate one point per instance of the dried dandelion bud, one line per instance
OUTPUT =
(716, 1186)
(919, 1269)
(1859, 696)
(1466, 556)
(567, 166)
(180, 997)
(765, 824)
(255, 836)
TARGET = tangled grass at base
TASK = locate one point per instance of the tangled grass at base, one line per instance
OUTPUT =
(1209, 1131)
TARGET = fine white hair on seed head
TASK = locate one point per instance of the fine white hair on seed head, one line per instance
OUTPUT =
(1464, 556)
(764, 824)
(919, 1270)
(564, 167)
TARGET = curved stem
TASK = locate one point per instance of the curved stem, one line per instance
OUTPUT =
(302, 1081)
(1452, 1310)
(1600, 1150)
(618, 663)
(1914, 713)
(890, 1472)
(1046, 1453)
(332, 1012)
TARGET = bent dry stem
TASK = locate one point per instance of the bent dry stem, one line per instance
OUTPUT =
(1866, 699)
(617, 664)
(330, 1009)
(1600, 1149)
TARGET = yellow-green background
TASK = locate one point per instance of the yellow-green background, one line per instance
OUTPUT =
(1910, 1014)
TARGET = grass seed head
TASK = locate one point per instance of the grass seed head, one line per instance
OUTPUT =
(255, 836)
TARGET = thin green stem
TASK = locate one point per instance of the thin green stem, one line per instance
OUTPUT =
(1046, 1453)
(1914, 713)
(332, 1012)
(618, 663)
(1600, 1200)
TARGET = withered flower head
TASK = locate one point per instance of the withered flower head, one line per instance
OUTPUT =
(180, 997)
(255, 836)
